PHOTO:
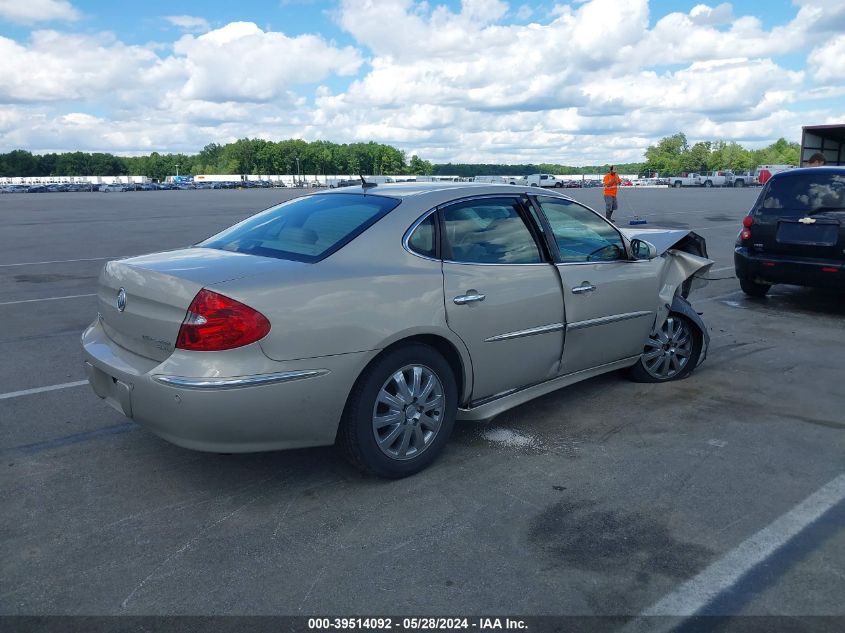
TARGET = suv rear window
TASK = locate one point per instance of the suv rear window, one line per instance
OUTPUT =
(804, 193)
(306, 229)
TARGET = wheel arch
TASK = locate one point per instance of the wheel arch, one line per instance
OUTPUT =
(683, 307)
(454, 352)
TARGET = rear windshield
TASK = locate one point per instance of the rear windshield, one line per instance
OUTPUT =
(306, 229)
(806, 192)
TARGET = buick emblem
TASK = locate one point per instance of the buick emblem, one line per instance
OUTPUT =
(121, 300)
(807, 220)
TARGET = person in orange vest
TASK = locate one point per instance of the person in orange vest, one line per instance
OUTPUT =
(611, 186)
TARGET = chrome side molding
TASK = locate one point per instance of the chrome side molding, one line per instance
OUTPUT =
(238, 382)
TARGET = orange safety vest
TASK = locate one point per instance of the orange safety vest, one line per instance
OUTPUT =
(611, 182)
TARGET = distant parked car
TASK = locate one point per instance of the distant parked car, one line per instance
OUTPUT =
(113, 187)
(37, 189)
(795, 232)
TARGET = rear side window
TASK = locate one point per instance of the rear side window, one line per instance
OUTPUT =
(489, 231)
(306, 229)
(422, 239)
(802, 193)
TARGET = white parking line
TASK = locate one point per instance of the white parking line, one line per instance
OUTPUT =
(27, 392)
(10, 303)
(695, 594)
(61, 261)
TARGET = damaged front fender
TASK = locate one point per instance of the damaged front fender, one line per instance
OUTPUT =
(685, 262)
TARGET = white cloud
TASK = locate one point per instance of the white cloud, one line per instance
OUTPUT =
(588, 82)
(712, 16)
(32, 11)
(241, 62)
(189, 23)
(827, 62)
(60, 66)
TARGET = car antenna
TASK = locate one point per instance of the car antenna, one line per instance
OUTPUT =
(365, 184)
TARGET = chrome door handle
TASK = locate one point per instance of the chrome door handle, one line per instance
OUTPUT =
(471, 298)
(585, 286)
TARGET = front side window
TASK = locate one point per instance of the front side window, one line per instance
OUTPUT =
(489, 231)
(306, 229)
(581, 235)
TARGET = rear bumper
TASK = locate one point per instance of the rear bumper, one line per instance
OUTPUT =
(774, 269)
(282, 405)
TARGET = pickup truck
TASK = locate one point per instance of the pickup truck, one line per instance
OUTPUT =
(690, 180)
(543, 180)
(726, 178)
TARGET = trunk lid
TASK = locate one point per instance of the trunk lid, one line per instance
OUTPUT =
(799, 234)
(157, 290)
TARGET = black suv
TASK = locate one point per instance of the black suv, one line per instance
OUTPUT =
(795, 232)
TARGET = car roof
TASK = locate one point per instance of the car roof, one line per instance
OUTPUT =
(409, 189)
(803, 171)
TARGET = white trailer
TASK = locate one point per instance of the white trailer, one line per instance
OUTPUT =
(828, 140)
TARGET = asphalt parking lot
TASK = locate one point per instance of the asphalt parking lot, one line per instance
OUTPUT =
(607, 498)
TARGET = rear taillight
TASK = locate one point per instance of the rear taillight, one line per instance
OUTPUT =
(215, 323)
(747, 221)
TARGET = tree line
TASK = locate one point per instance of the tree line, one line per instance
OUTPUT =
(673, 155)
(670, 156)
(244, 156)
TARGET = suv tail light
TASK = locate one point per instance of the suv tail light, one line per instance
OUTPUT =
(747, 221)
(215, 323)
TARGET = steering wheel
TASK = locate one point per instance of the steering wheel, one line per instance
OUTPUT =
(592, 256)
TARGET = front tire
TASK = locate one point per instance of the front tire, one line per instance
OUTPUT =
(400, 413)
(670, 354)
(739, 183)
(707, 183)
(752, 288)
(677, 184)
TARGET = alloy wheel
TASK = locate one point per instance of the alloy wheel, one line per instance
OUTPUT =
(668, 352)
(408, 412)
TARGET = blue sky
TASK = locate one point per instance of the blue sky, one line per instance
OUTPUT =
(472, 80)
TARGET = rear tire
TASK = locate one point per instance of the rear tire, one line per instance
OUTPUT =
(671, 354)
(739, 183)
(707, 183)
(400, 412)
(752, 288)
(677, 184)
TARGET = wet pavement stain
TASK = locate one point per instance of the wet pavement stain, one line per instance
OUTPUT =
(579, 535)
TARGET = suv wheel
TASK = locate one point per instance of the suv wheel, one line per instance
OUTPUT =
(400, 413)
(752, 288)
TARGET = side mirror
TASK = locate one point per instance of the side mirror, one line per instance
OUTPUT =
(642, 249)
